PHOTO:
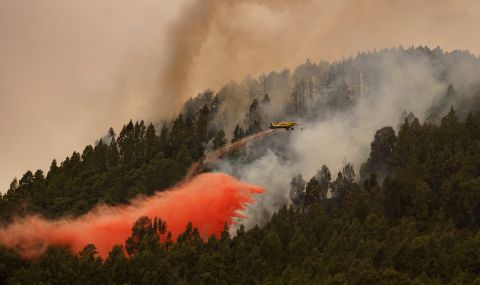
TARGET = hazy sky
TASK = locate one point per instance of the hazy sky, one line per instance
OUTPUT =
(71, 69)
(62, 63)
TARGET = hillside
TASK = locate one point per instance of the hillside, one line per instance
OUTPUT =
(126, 164)
(404, 211)
(416, 227)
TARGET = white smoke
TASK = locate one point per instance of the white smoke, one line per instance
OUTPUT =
(405, 84)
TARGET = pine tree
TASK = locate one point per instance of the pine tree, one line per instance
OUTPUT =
(219, 140)
(238, 133)
(297, 187)
(313, 192)
(151, 143)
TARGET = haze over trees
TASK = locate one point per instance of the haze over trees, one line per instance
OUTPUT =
(416, 226)
(410, 216)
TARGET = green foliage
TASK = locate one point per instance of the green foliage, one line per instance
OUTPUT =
(139, 161)
(416, 222)
(313, 192)
(297, 187)
(238, 133)
(380, 155)
(219, 140)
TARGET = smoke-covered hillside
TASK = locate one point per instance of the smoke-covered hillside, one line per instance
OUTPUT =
(381, 177)
(421, 222)
(341, 105)
(318, 91)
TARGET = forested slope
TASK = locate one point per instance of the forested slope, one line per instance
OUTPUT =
(411, 214)
(420, 226)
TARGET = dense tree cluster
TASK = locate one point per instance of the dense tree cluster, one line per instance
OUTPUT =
(418, 225)
(412, 217)
(115, 170)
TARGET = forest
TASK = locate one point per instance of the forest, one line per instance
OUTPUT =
(420, 226)
(410, 215)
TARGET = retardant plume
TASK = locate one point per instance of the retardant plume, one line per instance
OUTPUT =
(208, 201)
(210, 158)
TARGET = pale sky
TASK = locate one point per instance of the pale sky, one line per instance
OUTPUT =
(71, 69)
(61, 62)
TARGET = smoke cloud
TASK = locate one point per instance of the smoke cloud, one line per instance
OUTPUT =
(212, 157)
(228, 40)
(403, 81)
(70, 70)
(208, 201)
(198, 24)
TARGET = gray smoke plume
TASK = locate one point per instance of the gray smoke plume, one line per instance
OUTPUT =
(394, 81)
(192, 30)
(97, 65)
(215, 41)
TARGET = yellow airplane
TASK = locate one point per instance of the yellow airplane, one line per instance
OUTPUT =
(283, 125)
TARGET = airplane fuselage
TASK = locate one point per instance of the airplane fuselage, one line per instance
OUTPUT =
(283, 125)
